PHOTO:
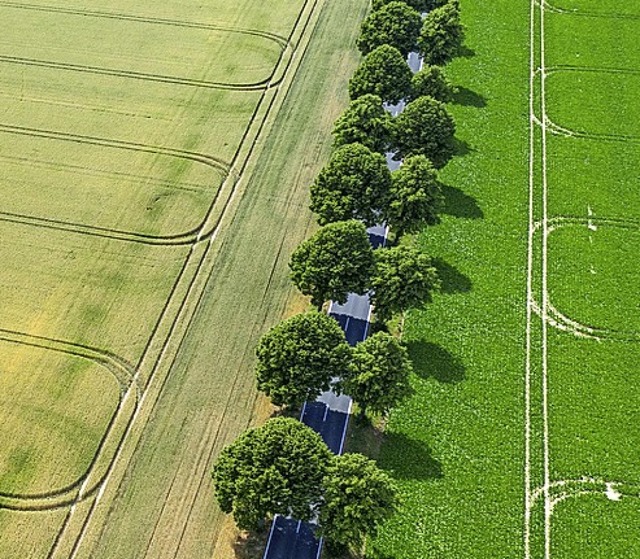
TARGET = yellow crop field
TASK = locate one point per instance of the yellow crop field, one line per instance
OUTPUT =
(128, 132)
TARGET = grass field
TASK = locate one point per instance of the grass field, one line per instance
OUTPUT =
(522, 437)
(131, 228)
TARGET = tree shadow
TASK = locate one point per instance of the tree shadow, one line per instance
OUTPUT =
(408, 458)
(458, 204)
(433, 361)
(460, 148)
(466, 97)
(466, 52)
(452, 280)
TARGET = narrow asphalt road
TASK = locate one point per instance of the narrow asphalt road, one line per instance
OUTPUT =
(329, 414)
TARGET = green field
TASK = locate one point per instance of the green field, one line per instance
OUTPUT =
(135, 264)
(522, 438)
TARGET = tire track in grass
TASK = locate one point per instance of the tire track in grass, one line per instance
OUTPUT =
(124, 374)
(554, 492)
(529, 288)
(194, 287)
(279, 39)
(584, 13)
(145, 76)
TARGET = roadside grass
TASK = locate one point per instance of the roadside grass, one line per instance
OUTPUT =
(591, 527)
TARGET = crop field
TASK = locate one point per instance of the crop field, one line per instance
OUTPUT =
(126, 134)
(523, 439)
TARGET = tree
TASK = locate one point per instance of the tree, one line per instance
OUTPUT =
(358, 498)
(431, 82)
(425, 128)
(404, 279)
(419, 5)
(442, 34)
(335, 261)
(416, 196)
(278, 468)
(298, 358)
(353, 185)
(378, 378)
(394, 24)
(383, 72)
(366, 122)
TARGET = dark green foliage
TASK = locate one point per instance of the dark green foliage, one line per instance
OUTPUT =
(394, 24)
(278, 468)
(359, 497)
(298, 358)
(425, 128)
(442, 34)
(336, 261)
(366, 122)
(353, 185)
(404, 279)
(416, 196)
(419, 5)
(431, 82)
(378, 378)
(383, 72)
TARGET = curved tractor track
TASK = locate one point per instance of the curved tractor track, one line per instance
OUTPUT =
(141, 385)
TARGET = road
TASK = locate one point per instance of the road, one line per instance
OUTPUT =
(329, 414)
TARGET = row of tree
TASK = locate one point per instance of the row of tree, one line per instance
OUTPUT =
(284, 467)
(308, 354)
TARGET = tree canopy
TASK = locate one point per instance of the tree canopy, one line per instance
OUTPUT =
(404, 279)
(335, 261)
(298, 358)
(366, 122)
(419, 5)
(383, 72)
(425, 128)
(378, 378)
(432, 82)
(358, 498)
(278, 468)
(416, 196)
(395, 24)
(442, 34)
(353, 185)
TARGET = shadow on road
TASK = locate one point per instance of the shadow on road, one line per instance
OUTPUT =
(433, 361)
